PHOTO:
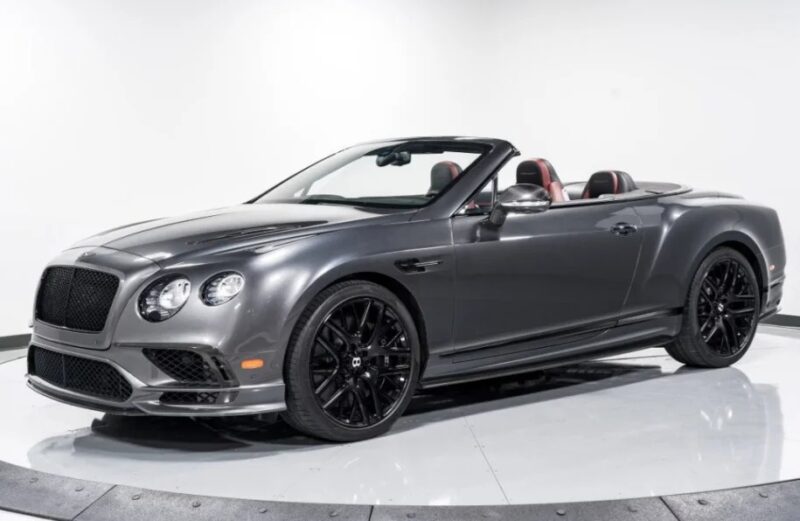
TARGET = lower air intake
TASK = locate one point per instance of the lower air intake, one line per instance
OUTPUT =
(187, 366)
(82, 375)
(193, 398)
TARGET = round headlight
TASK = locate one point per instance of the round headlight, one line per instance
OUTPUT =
(222, 287)
(164, 298)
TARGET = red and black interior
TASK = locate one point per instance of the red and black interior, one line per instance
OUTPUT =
(608, 182)
(541, 172)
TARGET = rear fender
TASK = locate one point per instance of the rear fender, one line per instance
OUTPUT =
(741, 242)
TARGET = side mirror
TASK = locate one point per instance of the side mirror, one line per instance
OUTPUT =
(521, 198)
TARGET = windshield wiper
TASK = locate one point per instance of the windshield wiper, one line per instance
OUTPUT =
(354, 202)
(325, 200)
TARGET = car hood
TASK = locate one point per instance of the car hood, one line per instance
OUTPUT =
(163, 239)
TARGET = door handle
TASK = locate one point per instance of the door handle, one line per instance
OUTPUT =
(623, 229)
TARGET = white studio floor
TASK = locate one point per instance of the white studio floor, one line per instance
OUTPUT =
(631, 426)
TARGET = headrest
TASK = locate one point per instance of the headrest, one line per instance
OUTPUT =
(537, 172)
(608, 182)
(441, 175)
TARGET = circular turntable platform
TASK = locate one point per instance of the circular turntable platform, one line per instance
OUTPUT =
(632, 426)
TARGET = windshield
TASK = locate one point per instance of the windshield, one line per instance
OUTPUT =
(398, 174)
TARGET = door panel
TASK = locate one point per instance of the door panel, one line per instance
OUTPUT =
(544, 273)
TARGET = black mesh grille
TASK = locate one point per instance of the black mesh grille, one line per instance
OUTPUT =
(183, 366)
(89, 377)
(76, 298)
(182, 398)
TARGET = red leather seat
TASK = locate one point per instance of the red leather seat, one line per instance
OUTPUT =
(541, 172)
(442, 174)
(608, 182)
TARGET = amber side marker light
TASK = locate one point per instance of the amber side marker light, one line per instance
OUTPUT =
(252, 363)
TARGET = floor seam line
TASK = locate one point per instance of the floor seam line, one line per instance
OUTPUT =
(90, 505)
(664, 501)
(486, 459)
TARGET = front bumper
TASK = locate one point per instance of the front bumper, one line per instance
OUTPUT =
(149, 385)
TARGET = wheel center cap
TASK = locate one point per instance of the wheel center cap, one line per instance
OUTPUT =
(720, 307)
(355, 362)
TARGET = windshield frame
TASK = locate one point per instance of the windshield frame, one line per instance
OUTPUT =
(350, 154)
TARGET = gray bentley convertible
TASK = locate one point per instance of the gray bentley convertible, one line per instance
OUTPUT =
(394, 266)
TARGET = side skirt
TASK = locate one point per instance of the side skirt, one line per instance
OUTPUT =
(629, 335)
(522, 369)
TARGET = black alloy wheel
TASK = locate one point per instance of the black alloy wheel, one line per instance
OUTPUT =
(721, 313)
(353, 363)
(726, 307)
(360, 362)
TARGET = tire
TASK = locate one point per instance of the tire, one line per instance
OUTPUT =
(721, 312)
(337, 346)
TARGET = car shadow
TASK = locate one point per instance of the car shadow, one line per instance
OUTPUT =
(428, 406)
(725, 425)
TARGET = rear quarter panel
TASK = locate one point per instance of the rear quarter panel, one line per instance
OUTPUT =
(681, 230)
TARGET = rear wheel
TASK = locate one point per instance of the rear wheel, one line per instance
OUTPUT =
(721, 312)
(352, 364)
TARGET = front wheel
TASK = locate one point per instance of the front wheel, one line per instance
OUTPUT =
(721, 312)
(352, 364)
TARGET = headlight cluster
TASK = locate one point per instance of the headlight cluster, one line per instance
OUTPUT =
(221, 288)
(165, 297)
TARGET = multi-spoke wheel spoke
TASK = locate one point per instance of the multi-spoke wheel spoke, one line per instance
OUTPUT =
(325, 383)
(360, 362)
(726, 307)
(337, 395)
(338, 332)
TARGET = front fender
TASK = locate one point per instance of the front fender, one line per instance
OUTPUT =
(294, 274)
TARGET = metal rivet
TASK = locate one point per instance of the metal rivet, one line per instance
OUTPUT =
(333, 513)
(632, 508)
(561, 512)
(263, 510)
(34, 480)
(411, 515)
(196, 504)
(78, 488)
(136, 497)
(702, 502)
(763, 494)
